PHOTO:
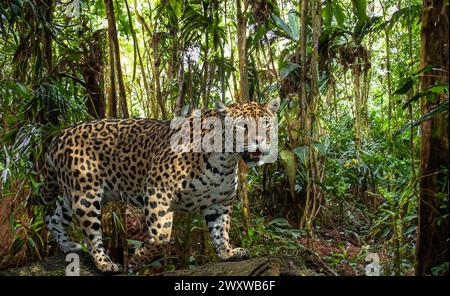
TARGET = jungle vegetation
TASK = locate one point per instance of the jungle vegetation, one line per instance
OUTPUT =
(363, 127)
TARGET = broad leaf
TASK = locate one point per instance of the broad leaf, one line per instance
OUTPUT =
(17, 245)
(443, 107)
(289, 162)
(415, 98)
(437, 89)
(321, 148)
(177, 7)
(302, 153)
(293, 25)
(280, 222)
(284, 27)
(359, 6)
(405, 87)
(31, 243)
(327, 14)
(286, 70)
(338, 13)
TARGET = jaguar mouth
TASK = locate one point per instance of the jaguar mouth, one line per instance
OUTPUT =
(252, 156)
(255, 155)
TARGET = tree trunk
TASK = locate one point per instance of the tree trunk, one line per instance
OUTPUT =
(155, 62)
(316, 12)
(181, 91)
(313, 200)
(138, 52)
(114, 46)
(302, 95)
(93, 75)
(243, 97)
(51, 112)
(112, 93)
(47, 50)
(357, 93)
(410, 95)
(432, 236)
(205, 65)
(242, 49)
(389, 83)
(299, 125)
(151, 99)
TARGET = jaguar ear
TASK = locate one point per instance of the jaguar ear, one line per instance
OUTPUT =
(221, 107)
(273, 106)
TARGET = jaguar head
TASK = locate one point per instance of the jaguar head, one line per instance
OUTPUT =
(250, 129)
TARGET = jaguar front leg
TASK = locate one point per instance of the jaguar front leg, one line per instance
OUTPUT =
(159, 221)
(218, 220)
(87, 208)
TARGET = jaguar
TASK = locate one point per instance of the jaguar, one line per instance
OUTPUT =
(134, 161)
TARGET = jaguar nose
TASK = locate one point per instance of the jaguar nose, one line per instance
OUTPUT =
(258, 140)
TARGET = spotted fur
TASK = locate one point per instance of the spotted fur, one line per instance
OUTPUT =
(131, 160)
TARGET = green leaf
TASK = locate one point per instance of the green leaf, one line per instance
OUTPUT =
(135, 243)
(321, 148)
(389, 212)
(288, 158)
(338, 12)
(293, 25)
(98, 8)
(20, 89)
(405, 87)
(403, 13)
(414, 98)
(284, 27)
(31, 243)
(439, 89)
(177, 7)
(17, 246)
(15, 9)
(359, 6)
(327, 14)
(280, 222)
(441, 108)
(286, 70)
(425, 69)
(12, 221)
(117, 221)
(302, 153)
(251, 233)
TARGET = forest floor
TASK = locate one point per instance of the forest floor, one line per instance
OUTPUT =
(282, 265)
(331, 251)
(319, 262)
